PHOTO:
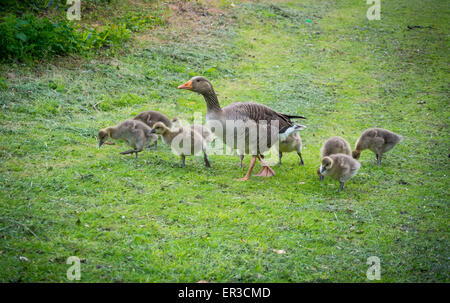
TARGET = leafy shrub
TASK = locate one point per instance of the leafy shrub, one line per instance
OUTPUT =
(30, 37)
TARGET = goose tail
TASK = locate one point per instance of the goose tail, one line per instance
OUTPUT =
(294, 117)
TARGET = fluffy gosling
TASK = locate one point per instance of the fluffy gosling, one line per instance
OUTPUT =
(150, 117)
(339, 167)
(137, 134)
(290, 144)
(185, 141)
(201, 129)
(378, 140)
(334, 145)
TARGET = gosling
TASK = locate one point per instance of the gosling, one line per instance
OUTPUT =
(201, 129)
(150, 117)
(339, 167)
(184, 141)
(334, 145)
(137, 134)
(290, 144)
(378, 140)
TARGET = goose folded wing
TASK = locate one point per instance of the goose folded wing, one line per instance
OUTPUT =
(257, 112)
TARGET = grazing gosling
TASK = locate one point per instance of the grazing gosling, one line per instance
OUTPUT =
(201, 129)
(378, 140)
(339, 167)
(150, 117)
(334, 145)
(291, 143)
(137, 134)
(187, 141)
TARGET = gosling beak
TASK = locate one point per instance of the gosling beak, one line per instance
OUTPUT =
(322, 169)
(187, 85)
(152, 131)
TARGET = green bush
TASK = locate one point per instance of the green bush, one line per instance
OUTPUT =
(29, 37)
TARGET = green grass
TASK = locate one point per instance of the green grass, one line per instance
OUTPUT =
(151, 220)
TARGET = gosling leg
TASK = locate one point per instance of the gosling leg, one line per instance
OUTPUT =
(320, 178)
(280, 155)
(183, 158)
(131, 151)
(379, 156)
(301, 159)
(241, 157)
(205, 158)
(341, 188)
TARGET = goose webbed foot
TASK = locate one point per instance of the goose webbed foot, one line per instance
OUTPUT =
(266, 170)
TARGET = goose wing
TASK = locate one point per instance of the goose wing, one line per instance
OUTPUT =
(257, 112)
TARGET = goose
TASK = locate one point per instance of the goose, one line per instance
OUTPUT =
(339, 167)
(201, 129)
(259, 132)
(334, 145)
(150, 117)
(292, 143)
(184, 141)
(378, 140)
(137, 134)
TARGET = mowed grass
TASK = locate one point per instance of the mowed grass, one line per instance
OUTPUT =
(149, 220)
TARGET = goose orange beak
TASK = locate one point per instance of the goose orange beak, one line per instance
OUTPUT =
(187, 85)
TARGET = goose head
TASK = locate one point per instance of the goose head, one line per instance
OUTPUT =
(198, 84)
(327, 164)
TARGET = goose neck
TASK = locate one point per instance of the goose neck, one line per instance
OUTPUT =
(212, 103)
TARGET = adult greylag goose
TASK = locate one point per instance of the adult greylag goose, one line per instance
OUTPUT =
(270, 125)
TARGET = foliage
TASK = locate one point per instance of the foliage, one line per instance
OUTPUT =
(29, 37)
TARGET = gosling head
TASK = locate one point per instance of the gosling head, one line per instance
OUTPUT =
(327, 164)
(356, 154)
(103, 135)
(198, 84)
(159, 128)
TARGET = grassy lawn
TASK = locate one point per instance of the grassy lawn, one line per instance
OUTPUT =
(149, 220)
